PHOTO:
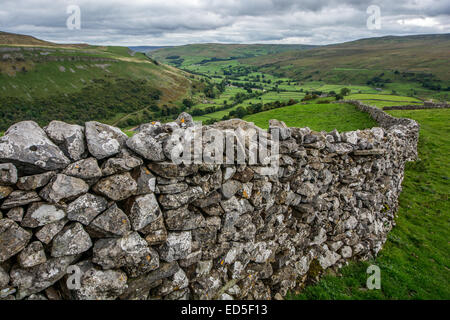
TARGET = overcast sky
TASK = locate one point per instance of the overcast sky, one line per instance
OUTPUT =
(176, 22)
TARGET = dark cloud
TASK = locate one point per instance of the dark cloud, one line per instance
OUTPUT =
(172, 22)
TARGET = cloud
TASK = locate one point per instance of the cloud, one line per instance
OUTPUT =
(176, 22)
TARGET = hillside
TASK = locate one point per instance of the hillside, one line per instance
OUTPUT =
(209, 52)
(423, 58)
(35, 75)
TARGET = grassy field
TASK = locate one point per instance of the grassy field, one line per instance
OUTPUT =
(343, 117)
(415, 260)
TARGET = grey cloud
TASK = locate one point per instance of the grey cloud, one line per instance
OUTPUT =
(159, 22)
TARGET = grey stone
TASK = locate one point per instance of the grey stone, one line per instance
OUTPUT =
(182, 218)
(170, 170)
(63, 187)
(72, 240)
(112, 222)
(49, 231)
(230, 188)
(155, 232)
(86, 169)
(184, 120)
(146, 181)
(8, 174)
(27, 146)
(36, 181)
(116, 187)
(86, 207)
(13, 239)
(69, 137)
(42, 213)
(172, 188)
(16, 214)
(173, 201)
(5, 191)
(147, 146)
(32, 255)
(177, 246)
(19, 198)
(4, 278)
(119, 165)
(100, 284)
(37, 278)
(102, 140)
(126, 251)
(143, 210)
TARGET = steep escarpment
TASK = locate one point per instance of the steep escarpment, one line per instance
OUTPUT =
(88, 213)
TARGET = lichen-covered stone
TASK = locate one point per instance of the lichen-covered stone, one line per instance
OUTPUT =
(19, 198)
(119, 165)
(173, 201)
(177, 246)
(69, 137)
(36, 181)
(143, 210)
(147, 146)
(32, 255)
(183, 218)
(13, 239)
(112, 222)
(63, 187)
(86, 207)
(116, 187)
(86, 169)
(16, 214)
(27, 146)
(72, 240)
(49, 231)
(42, 213)
(8, 174)
(102, 140)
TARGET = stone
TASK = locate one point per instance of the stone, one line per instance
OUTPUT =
(230, 188)
(32, 255)
(19, 198)
(38, 278)
(177, 246)
(212, 198)
(143, 210)
(171, 170)
(182, 218)
(127, 251)
(8, 174)
(63, 187)
(27, 146)
(42, 213)
(72, 240)
(138, 288)
(112, 222)
(69, 137)
(178, 281)
(86, 169)
(104, 141)
(116, 187)
(16, 214)
(36, 181)
(371, 152)
(146, 181)
(147, 146)
(155, 232)
(346, 252)
(5, 191)
(13, 239)
(184, 120)
(49, 231)
(173, 201)
(4, 278)
(350, 137)
(328, 259)
(172, 188)
(228, 173)
(119, 165)
(86, 207)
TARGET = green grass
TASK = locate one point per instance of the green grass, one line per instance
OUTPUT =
(343, 117)
(415, 260)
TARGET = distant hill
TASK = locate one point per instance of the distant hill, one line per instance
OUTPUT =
(207, 52)
(358, 60)
(40, 80)
(145, 49)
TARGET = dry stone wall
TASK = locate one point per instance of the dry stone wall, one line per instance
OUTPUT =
(88, 213)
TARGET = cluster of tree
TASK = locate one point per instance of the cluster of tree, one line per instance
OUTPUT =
(101, 100)
(241, 112)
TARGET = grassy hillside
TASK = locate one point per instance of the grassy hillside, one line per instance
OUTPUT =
(182, 56)
(35, 75)
(415, 260)
(422, 62)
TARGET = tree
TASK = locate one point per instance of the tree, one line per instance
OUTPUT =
(188, 103)
(345, 91)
